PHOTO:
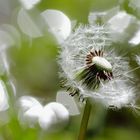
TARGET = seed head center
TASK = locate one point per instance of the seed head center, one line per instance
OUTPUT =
(102, 63)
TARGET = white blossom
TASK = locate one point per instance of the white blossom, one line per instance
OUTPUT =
(54, 116)
(58, 23)
(29, 110)
(51, 117)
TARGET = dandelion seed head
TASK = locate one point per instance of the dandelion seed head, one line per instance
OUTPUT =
(91, 67)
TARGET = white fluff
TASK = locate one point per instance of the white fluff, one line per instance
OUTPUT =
(115, 93)
(72, 59)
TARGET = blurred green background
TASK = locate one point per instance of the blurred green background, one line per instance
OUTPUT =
(33, 66)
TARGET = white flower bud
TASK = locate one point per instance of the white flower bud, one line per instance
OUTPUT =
(47, 119)
(27, 102)
(29, 110)
(31, 116)
(54, 117)
(60, 111)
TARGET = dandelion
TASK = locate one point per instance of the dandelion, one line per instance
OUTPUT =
(91, 69)
(88, 62)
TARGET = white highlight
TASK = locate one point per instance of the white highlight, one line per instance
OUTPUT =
(27, 25)
(102, 63)
(29, 4)
(136, 39)
(4, 105)
(58, 23)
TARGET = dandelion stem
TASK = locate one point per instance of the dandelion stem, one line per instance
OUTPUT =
(84, 122)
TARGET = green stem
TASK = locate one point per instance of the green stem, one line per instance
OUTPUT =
(84, 122)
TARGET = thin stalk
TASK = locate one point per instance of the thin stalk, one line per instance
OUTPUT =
(84, 122)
